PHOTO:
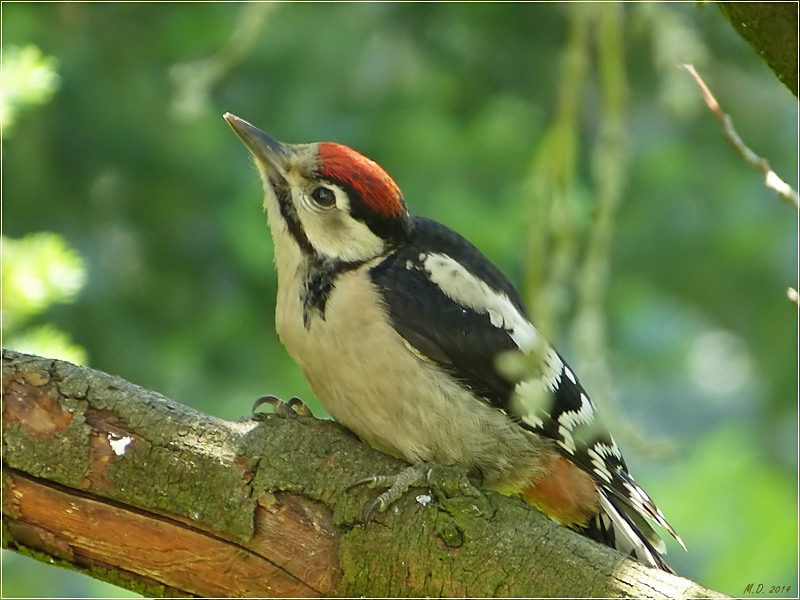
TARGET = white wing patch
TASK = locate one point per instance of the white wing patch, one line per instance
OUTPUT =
(598, 453)
(463, 287)
(583, 416)
(533, 397)
(570, 420)
(566, 441)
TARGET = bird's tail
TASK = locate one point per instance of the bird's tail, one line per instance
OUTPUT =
(626, 531)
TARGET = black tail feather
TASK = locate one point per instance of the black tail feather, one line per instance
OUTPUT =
(613, 527)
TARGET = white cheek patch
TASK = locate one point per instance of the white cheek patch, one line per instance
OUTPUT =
(333, 233)
(338, 236)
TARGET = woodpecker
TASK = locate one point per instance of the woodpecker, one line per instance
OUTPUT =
(398, 322)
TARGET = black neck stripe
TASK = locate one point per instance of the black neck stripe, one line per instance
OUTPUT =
(290, 217)
(319, 286)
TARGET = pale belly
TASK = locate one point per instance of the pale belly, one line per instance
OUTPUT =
(371, 381)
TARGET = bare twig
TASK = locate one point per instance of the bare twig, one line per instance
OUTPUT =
(772, 180)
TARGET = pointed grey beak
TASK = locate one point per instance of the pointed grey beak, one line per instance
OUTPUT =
(268, 150)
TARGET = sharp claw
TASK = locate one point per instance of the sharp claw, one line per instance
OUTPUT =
(291, 409)
(370, 482)
(273, 401)
(374, 507)
(358, 483)
(299, 407)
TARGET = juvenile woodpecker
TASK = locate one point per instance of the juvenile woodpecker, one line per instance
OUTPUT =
(397, 323)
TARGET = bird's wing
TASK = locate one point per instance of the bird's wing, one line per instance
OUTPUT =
(440, 308)
(463, 314)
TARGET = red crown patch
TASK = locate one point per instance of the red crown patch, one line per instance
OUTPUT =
(378, 191)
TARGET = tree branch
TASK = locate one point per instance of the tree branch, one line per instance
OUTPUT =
(771, 179)
(104, 477)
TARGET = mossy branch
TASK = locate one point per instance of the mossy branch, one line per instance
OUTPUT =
(104, 477)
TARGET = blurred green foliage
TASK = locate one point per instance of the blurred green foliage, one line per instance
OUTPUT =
(39, 270)
(29, 78)
(131, 163)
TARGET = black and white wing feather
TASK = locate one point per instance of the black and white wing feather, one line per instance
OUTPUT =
(463, 314)
(440, 307)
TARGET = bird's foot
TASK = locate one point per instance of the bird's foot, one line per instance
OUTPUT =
(414, 476)
(288, 410)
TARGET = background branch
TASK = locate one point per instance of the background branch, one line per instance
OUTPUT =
(610, 171)
(102, 476)
(771, 179)
(771, 29)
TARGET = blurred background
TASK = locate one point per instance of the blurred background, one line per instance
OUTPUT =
(564, 140)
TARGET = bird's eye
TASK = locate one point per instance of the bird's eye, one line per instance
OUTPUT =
(324, 196)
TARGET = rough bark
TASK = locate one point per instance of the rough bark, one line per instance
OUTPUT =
(771, 29)
(102, 476)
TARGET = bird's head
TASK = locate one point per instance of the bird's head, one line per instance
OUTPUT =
(335, 204)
